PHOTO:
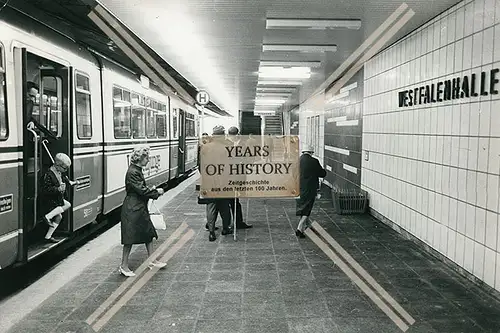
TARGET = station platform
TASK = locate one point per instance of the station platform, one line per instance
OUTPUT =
(268, 280)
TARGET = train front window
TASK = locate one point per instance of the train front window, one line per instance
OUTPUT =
(121, 114)
(138, 117)
(3, 102)
(83, 107)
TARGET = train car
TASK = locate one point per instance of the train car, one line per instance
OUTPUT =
(96, 111)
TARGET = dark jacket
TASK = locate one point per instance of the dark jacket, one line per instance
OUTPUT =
(310, 172)
(50, 196)
(136, 225)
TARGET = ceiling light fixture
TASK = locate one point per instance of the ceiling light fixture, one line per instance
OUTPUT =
(319, 24)
(280, 83)
(269, 100)
(286, 64)
(279, 96)
(285, 73)
(275, 89)
(312, 48)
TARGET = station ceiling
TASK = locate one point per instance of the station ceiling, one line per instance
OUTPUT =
(217, 45)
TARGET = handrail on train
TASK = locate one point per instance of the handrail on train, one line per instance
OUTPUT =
(44, 144)
(35, 139)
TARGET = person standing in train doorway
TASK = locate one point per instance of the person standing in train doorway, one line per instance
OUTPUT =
(53, 186)
(310, 172)
(136, 225)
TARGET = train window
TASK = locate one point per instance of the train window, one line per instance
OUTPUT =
(51, 103)
(83, 108)
(138, 118)
(151, 121)
(174, 123)
(117, 93)
(161, 121)
(121, 113)
(3, 102)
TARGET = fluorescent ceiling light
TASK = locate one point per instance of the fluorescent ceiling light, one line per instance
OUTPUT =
(283, 23)
(273, 95)
(280, 83)
(285, 73)
(299, 48)
(310, 64)
(297, 70)
(270, 103)
(269, 100)
(276, 89)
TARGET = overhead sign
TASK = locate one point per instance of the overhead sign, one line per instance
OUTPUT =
(249, 166)
(202, 97)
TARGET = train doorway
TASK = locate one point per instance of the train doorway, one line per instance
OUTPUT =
(46, 121)
(181, 166)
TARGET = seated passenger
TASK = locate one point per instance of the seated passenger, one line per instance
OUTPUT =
(53, 187)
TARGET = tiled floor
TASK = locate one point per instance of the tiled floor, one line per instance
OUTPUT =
(269, 281)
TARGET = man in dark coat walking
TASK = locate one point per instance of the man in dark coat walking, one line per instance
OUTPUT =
(310, 172)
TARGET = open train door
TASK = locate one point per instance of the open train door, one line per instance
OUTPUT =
(47, 131)
(181, 165)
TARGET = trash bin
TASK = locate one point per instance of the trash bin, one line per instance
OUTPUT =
(349, 201)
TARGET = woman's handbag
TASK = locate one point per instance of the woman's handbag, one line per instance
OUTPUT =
(157, 219)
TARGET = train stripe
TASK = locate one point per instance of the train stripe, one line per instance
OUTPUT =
(8, 236)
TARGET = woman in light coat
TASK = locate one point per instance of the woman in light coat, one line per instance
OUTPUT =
(136, 225)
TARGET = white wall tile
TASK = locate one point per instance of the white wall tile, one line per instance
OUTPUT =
(468, 19)
(492, 190)
(478, 15)
(483, 154)
(477, 49)
(460, 23)
(469, 254)
(478, 268)
(494, 156)
(479, 234)
(487, 51)
(467, 53)
(491, 230)
(481, 189)
(474, 119)
(497, 273)
(496, 46)
(489, 267)
(470, 225)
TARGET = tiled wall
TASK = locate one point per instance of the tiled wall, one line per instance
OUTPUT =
(343, 132)
(433, 168)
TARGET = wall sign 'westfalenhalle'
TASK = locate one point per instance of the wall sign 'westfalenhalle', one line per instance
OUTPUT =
(249, 166)
(483, 84)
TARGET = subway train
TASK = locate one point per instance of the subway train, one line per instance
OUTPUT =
(96, 111)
